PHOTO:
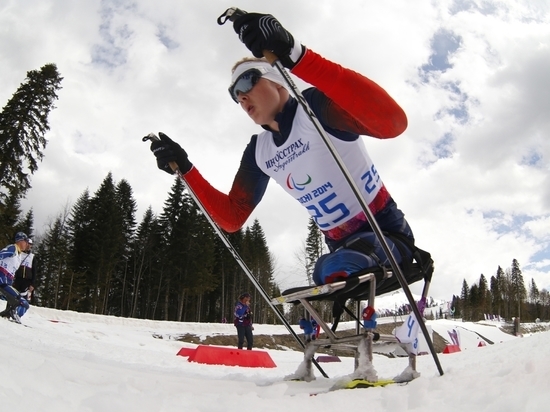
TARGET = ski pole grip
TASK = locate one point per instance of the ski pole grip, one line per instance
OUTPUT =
(232, 14)
(154, 138)
(270, 56)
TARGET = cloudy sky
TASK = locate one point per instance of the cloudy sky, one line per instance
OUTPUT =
(471, 172)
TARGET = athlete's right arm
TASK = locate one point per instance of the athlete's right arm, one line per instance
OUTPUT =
(231, 211)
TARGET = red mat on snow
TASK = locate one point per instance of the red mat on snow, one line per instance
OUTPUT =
(451, 349)
(216, 355)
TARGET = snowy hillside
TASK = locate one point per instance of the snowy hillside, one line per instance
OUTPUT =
(67, 361)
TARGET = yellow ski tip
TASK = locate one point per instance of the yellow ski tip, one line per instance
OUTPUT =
(363, 383)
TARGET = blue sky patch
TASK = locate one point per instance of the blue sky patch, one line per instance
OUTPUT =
(166, 40)
(111, 53)
(533, 158)
(486, 8)
(443, 44)
(443, 148)
(504, 223)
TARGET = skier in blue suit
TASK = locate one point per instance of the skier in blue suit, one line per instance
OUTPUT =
(10, 260)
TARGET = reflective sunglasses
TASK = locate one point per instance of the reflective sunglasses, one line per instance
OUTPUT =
(244, 83)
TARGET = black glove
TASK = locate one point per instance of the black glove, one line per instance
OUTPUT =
(261, 32)
(166, 150)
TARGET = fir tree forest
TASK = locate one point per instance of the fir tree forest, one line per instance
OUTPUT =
(504, 294)
(96, 257)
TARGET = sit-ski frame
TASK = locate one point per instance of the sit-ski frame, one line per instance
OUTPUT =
(331, 291)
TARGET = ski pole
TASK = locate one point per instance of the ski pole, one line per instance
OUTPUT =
(233, 251)
(233, 13)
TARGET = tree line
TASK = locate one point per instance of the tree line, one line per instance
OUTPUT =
(504, 295)
(96, 258)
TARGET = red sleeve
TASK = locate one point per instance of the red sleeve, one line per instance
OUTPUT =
(359, 97)
(231, 211)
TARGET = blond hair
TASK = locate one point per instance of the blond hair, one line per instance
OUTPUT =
(248, 59)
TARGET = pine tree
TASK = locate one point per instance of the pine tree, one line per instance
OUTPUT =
(98, 247)
(126, 205)
(465, 300)
(519, 293)
(534, 300)
(145, 259)
(10, 221)
(495, 295)
(534, 293)
(455, 307)
(498, 292)
(260, 263)
(473, 303)
(507, 294)
(80, 260)
(10, 211)
(314, 248)
(107, 245)
(23, 124)
(54, 276)
(545, 304)
(200, 278)
(484, 298)
(27, 224)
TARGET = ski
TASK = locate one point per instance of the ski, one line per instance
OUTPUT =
(361, 384)
(316, 387)
(16, 322)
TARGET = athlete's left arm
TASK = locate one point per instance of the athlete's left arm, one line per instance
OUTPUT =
(354, 103)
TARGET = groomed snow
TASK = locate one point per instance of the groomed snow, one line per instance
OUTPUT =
(68, 361)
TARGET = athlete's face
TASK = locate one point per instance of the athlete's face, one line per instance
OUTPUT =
(23, 244)
(263, 102)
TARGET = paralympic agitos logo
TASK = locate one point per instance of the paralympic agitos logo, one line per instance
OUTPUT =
(292, 184)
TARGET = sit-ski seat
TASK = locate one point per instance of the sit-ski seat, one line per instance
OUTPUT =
(364, 285)
(356, 287)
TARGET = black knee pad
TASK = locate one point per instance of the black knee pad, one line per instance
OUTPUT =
(11, 295)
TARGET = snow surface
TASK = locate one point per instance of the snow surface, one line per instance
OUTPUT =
(68, 361)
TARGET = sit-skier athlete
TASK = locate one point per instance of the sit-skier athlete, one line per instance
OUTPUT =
(290, 150)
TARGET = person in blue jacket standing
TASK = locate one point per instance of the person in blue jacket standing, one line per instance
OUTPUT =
(243, 321)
